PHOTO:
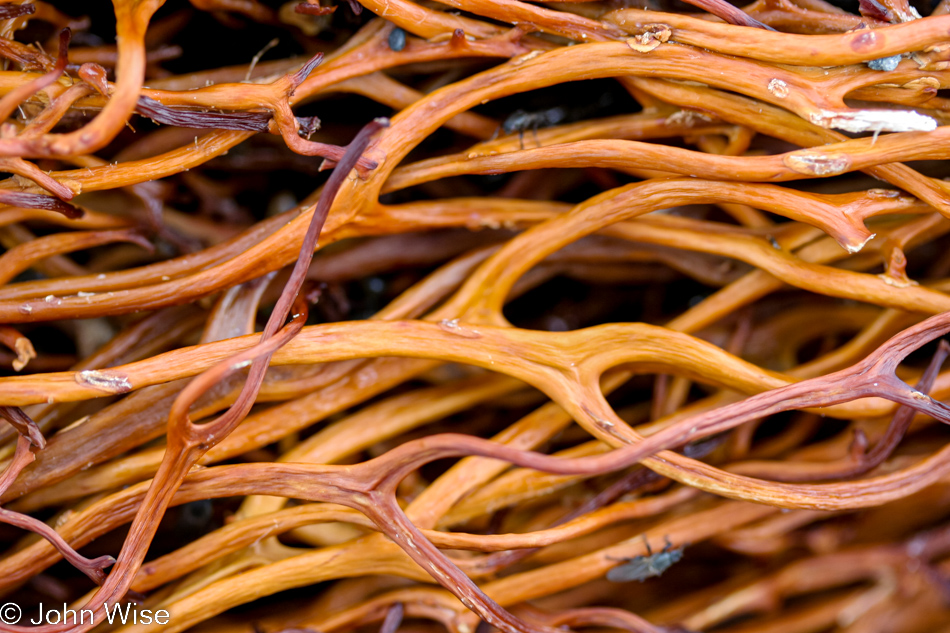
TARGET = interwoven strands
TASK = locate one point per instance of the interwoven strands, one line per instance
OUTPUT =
(474, 315)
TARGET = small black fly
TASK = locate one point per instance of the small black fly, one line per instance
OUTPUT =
(643, 567)
(520, 120)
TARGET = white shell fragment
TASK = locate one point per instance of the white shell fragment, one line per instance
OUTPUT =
(107, 382)
(874, 120)
(812, 164)
(778, 88)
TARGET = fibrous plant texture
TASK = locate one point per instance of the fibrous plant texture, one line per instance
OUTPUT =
(474, 315)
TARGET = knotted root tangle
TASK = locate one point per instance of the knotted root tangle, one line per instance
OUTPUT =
(412, 316)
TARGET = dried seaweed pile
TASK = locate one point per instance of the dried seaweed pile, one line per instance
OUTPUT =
(470, 316)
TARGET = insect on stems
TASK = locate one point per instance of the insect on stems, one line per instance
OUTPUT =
(643, 567)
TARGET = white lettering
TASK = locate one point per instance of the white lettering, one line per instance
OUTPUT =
(117, 611)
